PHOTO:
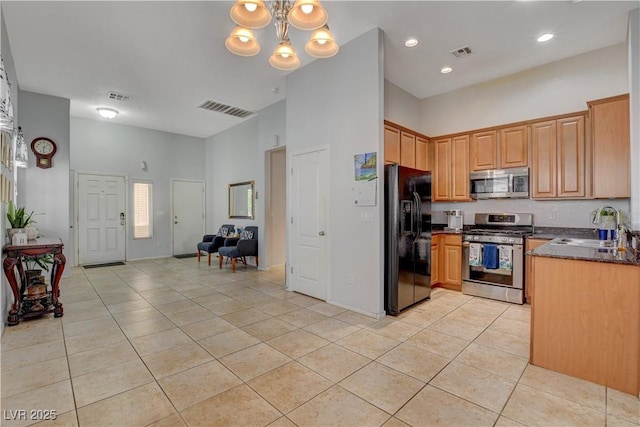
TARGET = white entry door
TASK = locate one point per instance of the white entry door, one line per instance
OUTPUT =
(188, 215)
(309, 258)
(101, 219)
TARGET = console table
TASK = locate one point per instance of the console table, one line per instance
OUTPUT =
(13, 262)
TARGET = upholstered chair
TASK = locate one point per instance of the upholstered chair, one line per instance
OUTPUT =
(212, 242)
(239, 249)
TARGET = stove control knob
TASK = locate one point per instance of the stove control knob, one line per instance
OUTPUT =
(512, 240)
(476, 237)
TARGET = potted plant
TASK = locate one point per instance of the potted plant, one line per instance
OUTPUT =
(32, 262)
(18, 219)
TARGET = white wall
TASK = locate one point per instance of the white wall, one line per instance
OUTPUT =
(46, 191)
(560, 87)
(401, 107)
(101, 147)
(237, 155)
(232, 156)
(634, 100)
(339, 102)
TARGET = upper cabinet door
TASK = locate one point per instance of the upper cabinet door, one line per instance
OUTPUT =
(611, 147)
(514, 147)
(543, 159)
(391, 145)
(460, 168)
(407, 149)
(441, 180)
(421, 154)
(484, 150)
(571, 163)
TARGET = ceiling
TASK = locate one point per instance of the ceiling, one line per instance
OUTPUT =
(169, 57)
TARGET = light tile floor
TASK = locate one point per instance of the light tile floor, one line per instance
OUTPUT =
(172, 342)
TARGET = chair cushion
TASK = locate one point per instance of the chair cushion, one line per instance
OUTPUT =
(229, 251)
(203, 246)
(224, 231)
(246, 235)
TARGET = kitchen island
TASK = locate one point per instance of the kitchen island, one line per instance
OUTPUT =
(585, 314)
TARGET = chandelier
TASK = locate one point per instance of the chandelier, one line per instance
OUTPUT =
(302, 14)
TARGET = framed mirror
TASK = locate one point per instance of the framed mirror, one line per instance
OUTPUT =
(241, 200)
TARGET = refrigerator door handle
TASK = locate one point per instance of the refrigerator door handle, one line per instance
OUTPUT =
(418, 212)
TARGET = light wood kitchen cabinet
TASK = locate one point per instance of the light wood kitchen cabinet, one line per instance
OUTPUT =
(514, 146)
(449, 260)
(391, 144)
(451, 175)
(421, 154)
(558, 158)
(407, 150)
(431, 156)
(483, 148)
(610, 147)
(528, 282)
(585, 321)
(435, 264)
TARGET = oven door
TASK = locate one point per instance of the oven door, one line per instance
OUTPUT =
(501, 284)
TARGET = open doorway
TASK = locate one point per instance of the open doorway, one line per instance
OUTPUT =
(275, 208)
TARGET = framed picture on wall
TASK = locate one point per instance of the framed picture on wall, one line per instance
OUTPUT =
(4, 192)
(3, 147)
(10, 160)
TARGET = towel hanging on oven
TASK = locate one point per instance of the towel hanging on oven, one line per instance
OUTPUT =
(505, 254)
(490, 256)
(475, 254)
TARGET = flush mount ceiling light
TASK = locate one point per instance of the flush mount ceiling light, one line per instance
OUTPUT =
(411, 42)
(446, 70)
(302, 14)
(107, 113)
(545, 38)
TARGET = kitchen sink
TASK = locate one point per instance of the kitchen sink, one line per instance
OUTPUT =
(585, 243)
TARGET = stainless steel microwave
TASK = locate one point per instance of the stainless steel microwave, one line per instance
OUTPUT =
(500, 184)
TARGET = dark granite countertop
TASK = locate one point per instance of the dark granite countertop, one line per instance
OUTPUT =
(567, 232)
(612, 255)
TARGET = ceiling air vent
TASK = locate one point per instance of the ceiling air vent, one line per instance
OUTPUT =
(225, 109)
(461, 52)
(118, 96)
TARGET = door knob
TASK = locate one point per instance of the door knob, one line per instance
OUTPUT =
(175, 222)
(321, 233)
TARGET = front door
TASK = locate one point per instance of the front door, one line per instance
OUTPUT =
(188, 215)
(309, 258)
(101, 219)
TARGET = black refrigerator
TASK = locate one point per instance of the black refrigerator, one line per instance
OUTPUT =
(407, 237)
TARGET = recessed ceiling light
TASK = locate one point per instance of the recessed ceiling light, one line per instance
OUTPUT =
(412, 42)
(446, 70)
(545, 37)
(107, 113)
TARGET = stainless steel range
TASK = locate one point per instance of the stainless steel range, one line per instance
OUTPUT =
(493, 256)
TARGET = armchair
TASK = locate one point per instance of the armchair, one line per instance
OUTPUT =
(246, 246)
(212, 242)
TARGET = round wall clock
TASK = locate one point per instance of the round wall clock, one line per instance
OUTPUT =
(44, 149)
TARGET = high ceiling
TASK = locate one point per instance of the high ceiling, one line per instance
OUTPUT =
(169, 57)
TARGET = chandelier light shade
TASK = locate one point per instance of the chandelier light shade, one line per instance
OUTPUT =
(251, 14)
(321, 44)
(302, 14)
(242, 42)
(307, 15)
(107, 113)
(284, 57)
(22, 153)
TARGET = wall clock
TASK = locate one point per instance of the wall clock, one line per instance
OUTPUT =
(44, 149)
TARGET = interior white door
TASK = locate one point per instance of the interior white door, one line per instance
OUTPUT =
(101, 219)
(309, 257)
(188, 215)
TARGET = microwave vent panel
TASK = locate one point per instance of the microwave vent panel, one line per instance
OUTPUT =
(225, 109)
(461, 52)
